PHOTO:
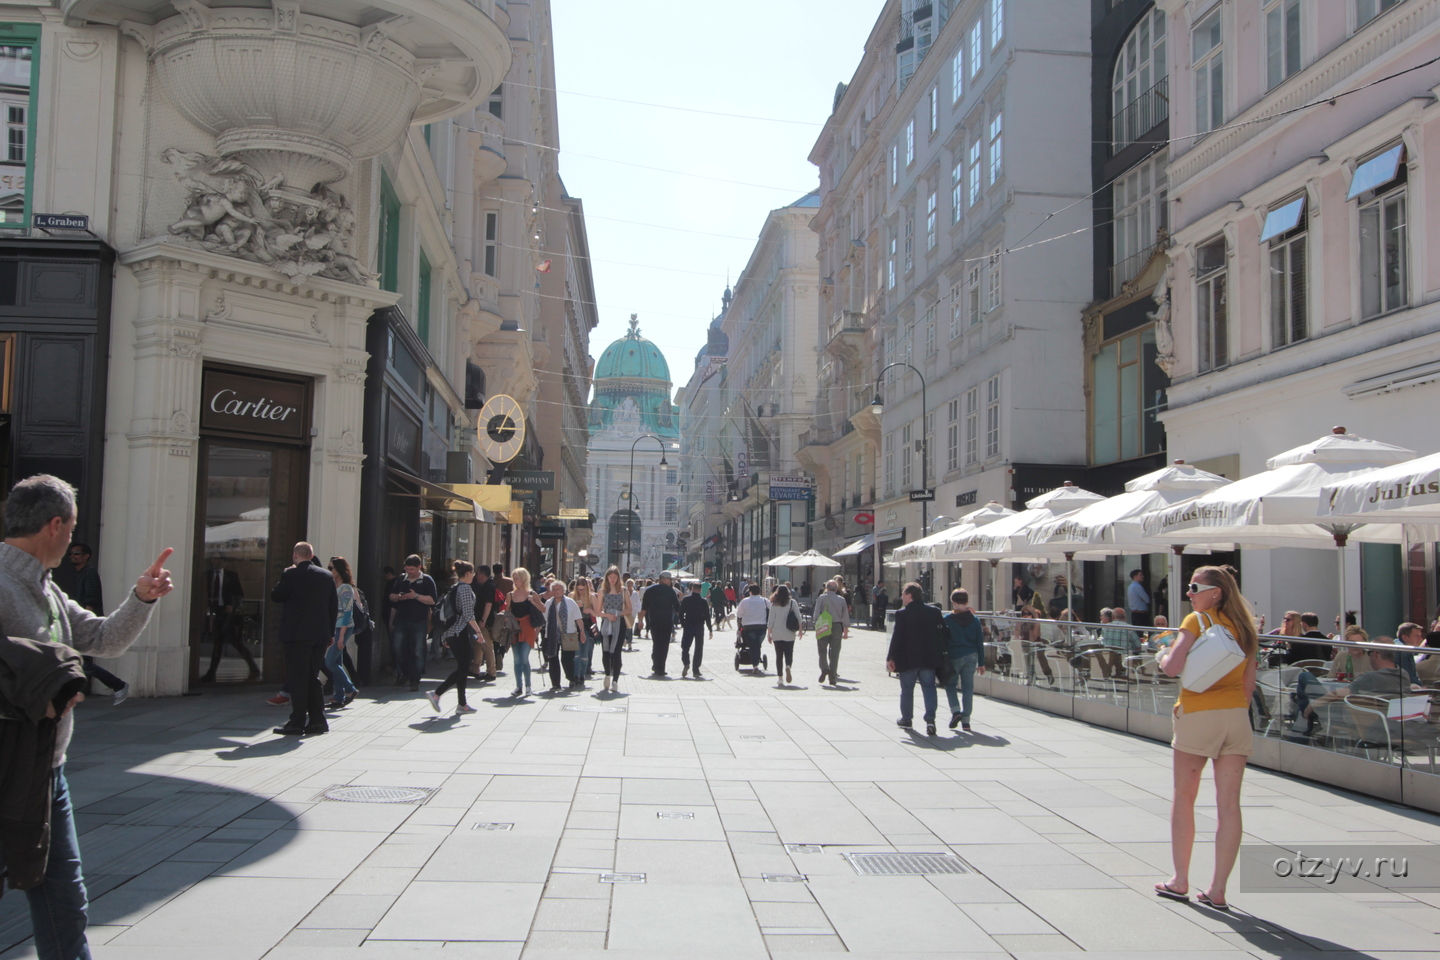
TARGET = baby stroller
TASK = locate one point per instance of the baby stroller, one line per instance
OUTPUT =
(747, 657)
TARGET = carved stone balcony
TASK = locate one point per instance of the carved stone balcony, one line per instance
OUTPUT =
(489, 144)
(846, 339)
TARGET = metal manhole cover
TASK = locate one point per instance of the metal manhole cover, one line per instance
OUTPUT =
(498, 827)
(674, 815)
(622, 878)
(751, 736)
(784, 877)
(356, 793)
(905, 864)
(588, 708)
(667, 716)
(804, 848)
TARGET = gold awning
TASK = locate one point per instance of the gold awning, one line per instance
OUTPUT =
(491, 496)
(437, 496)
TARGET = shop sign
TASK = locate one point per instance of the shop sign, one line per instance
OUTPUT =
(402, 437)
(791, 488)
(60, 221)
(967, 499)
(239, 403)
(531, 479)
(550, 531)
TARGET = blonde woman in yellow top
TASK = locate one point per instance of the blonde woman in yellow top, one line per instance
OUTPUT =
(1211, 725)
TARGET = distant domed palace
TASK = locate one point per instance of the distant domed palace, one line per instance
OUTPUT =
(632, 398)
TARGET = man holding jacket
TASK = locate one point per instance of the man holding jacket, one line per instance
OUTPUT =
(309, 608)
(39, 520)
(966, 650)
(915, 651)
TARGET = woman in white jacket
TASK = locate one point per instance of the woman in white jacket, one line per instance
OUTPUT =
(563, 624)
(782, 606)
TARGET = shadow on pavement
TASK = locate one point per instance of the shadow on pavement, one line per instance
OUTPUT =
(1273, 939)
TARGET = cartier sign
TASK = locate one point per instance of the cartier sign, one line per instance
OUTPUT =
(242, 403)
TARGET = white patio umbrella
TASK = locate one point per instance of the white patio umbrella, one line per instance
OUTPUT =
(812, 558)
(1113, 526)
(1007, 538)
(1277, 508)
(925, 549)
(781, 561)
(1406, 492)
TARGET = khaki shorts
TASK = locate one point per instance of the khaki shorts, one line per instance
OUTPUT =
(1213, 733)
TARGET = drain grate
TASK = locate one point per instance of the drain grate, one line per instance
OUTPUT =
(591, 708)
(804, 848)
(674, 815)
(905, 864)
(667, 716)
(497, 827)
(751, 736)
(622, 878)
(356, 793)
(784, 877)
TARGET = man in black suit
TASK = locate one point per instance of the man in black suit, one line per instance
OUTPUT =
(914, 655)
(309, 608)
(659, 608)
(223, 594)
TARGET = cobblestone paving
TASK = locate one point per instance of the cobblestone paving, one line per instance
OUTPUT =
(679, 819)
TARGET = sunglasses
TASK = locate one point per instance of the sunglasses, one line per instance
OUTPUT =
(1200, 587)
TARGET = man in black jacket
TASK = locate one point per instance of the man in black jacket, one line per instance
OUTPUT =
(694, 621)
(915, 654)
(658, 608)
(309, 608)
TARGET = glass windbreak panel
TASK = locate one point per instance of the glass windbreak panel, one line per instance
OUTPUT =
(236, 541)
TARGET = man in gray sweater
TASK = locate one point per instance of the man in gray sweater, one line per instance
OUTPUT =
(832, 603)
(39, 520)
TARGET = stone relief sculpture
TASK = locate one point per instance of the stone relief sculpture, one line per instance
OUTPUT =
(1164, 332)
(230, 209)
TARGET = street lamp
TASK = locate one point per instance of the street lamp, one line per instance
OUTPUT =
(877, 407)
(630, 520)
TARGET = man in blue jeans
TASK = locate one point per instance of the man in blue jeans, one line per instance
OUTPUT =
(39, 520)
(411, 598)
(966, 651)
(915, 652)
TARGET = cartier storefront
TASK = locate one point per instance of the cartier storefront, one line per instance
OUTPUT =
(249, 512)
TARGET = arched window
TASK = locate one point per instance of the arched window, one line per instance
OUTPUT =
(1141, 95)
(672, 509)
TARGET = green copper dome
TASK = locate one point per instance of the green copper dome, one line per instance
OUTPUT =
(632, 356)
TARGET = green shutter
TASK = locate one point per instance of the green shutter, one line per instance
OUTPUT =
(422, 301)
(388, 258)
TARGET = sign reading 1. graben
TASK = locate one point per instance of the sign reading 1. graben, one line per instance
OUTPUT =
(243, 403)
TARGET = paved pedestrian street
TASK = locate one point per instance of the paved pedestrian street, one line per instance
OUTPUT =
(681, 819)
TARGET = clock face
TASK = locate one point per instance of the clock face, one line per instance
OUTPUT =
(504, 429)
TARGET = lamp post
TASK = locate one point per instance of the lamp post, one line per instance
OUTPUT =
(877, 407)
(630, 520)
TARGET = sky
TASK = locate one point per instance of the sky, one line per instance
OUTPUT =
(779, 59)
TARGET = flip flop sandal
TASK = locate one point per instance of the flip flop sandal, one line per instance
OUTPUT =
(1204, 899)
(1165, 890)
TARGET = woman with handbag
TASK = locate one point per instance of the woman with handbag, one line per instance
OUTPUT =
(614, 611)
(785, 626)
(458, 638)
(589, 605)
(1215, 661)
(530, 618)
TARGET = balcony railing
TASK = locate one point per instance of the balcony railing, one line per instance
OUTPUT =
(1142, 114)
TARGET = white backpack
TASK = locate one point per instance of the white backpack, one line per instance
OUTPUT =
(1213, 655)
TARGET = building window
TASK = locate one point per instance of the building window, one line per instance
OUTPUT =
(1367, 10)
(957, 191)
(974, 295)
(1140, 96)
(992, 281)
(497, 103)
(930, 348)
(17, 63)
(17, 130)
(672, 476)
(388, 255)
(972, 426)
(422, 300)
(1285, 231)
(1282, 40)
(890, 262)
(973, 170)
(894, 164)
(492, 243)
(1140, 198)
(957, 76)
(906, 478)
(996, 146)
(957, 309)
(909, 241)
(672, 509)
(992, 417)
(973, 49)
(934, 110)
(859, 476)
(997, 22)
(952, 435)
(1207, 56)
(932, 216)
(889, 465)
(1384, 246)
(910, 142)
(1126, 390)
(927, 447)
(1211, 313)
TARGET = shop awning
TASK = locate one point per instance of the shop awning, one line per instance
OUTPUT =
(1375, 171)
(858, 547)
(434, 496)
